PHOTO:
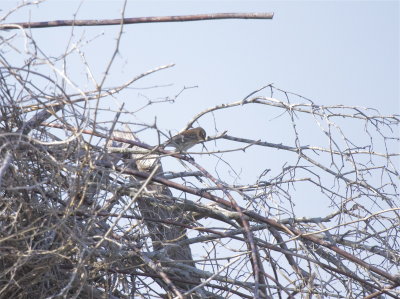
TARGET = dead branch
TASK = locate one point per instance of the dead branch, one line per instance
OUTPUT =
(127, 21)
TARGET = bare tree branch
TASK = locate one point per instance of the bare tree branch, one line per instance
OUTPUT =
(126, 21)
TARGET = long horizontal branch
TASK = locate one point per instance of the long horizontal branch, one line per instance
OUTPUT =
(162, 19)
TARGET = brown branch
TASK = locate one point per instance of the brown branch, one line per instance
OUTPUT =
(271, 222)
(250, 214)
(163, 19)
(231, 234)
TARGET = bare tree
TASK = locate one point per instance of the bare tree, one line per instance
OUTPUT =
(89, 211)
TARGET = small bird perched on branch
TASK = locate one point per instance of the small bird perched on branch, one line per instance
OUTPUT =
(186, 139)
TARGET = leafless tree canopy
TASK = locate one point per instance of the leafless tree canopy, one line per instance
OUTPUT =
(88, 210)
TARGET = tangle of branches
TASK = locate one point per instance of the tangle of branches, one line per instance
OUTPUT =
(88, 210)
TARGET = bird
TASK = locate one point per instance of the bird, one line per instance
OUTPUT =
(186, 139)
